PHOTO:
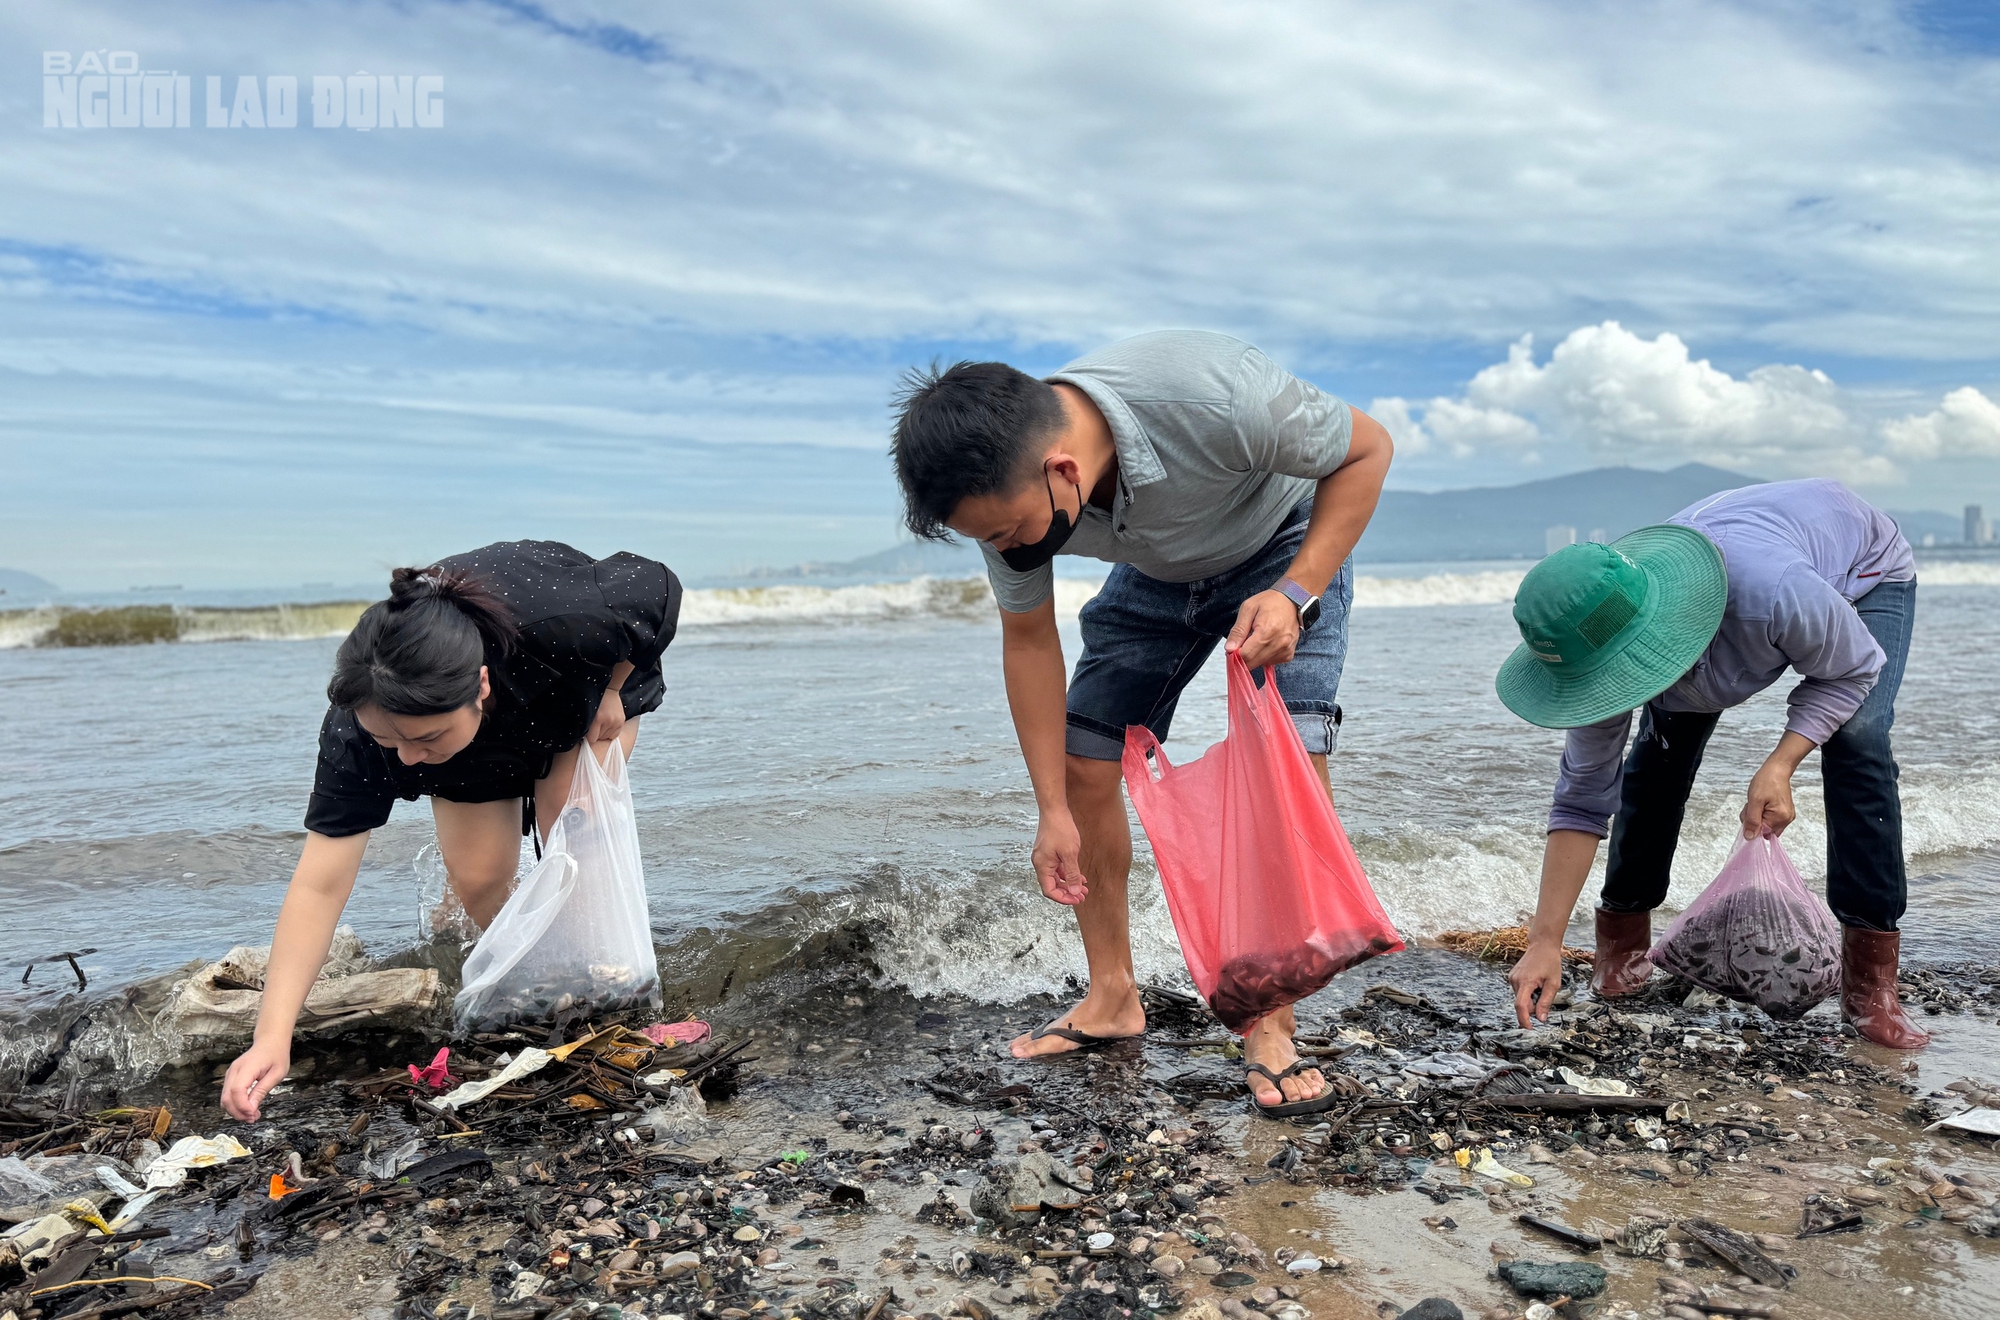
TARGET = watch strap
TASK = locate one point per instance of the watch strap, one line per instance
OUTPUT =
(1295, 593)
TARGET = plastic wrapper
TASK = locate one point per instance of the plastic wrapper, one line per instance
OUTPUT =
(1267, 896)
(1756, 935)
(576, 933)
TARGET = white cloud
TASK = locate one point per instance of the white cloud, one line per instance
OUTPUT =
(646, 223)
(1617, 397)
(1965, 425)
(1296, 170)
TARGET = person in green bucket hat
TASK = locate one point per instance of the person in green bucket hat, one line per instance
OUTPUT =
(1683, 621)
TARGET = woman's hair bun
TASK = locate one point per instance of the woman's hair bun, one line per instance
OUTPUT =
(420, 651)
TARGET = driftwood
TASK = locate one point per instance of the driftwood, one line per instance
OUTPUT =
(222, 999)
(1737, 1251)
(1563, 1102)
(1575, 1237)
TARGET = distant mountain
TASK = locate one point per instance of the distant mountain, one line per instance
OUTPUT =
(1943, 528)
(1485, 522)
(18, 588)
(946, 559)
(1510, 522)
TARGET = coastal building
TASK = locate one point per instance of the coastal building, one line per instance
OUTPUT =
(1976, 530)
(1556, 537)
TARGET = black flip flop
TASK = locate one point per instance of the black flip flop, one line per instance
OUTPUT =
(1083, 1040)
(1319, 1104)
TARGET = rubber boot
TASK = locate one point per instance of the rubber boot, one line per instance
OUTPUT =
(1868, 960)
(1621, 967)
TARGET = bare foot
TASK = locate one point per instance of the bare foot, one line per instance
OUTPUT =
(1106, 1013)
(1270, 1044)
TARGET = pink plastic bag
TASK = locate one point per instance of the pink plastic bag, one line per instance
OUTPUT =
(1756, 935)
(1267, 895)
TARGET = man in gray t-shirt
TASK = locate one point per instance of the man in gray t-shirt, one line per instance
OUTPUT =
(1229, 494)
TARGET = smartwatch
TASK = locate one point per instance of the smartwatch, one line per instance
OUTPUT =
(1308, 604)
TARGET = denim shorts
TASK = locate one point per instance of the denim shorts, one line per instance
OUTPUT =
(1144, 640)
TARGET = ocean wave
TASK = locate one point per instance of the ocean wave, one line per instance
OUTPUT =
(1958, 573)
(964, 599)
(138, 625)
(1490, 588)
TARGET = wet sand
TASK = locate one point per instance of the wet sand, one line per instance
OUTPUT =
(867, 1086)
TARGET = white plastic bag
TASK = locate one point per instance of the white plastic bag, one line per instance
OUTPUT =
(576, 932)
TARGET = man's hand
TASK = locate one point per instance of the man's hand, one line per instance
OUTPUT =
(1267, 629)
(610, 719)
(1058, 865)
(251, 1077)
(1769, 807)
(1535, 979)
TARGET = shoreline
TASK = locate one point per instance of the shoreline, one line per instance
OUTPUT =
(912, 1102)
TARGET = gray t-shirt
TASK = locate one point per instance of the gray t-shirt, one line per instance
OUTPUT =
(1216, 445)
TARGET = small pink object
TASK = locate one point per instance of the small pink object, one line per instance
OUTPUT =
(437, 1077)
(681, 1033)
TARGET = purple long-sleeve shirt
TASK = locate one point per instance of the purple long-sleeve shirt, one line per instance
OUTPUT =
(1798, 554)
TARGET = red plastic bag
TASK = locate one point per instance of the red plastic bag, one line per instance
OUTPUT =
(1267, 895)
(1756, 935)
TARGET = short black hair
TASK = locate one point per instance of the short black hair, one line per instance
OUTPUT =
(962, 431)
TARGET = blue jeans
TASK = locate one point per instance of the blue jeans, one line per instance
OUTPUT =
(1865, 882)
(1144, 640)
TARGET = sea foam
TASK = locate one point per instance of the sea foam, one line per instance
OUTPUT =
(967, 599)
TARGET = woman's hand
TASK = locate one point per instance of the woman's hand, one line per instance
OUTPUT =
(610, 720)
(1058, 850)
(256, 1071)
(1536, 979)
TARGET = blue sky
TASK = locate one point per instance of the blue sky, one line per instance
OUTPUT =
(649, 284)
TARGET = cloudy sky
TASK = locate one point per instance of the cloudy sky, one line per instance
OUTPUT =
(649, 282)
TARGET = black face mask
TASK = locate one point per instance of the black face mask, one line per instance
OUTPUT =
(1028, 558)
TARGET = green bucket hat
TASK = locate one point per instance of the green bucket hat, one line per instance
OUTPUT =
(1606, 628)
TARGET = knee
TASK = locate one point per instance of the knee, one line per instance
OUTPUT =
(1093, 784)
(481, 874)
(1863, 738)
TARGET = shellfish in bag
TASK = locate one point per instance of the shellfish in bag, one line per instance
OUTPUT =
(1267, 896)
(1756, 935)
(575, 933)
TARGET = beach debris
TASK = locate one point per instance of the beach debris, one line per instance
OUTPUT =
(1644, 1235)
(1251, 985)
(388, 1165)
(1756, 935)
(1981, 1121)
(527, 1062)
(1575, 1237)
(1027, 1187)
(171, 1169)
(219, 1003)
(1504, 944)
(684, 1033)
(1486, 1166)
(436, 1075)
(1737, 1251)
(1823, 1213)
(1575, 1279)
(1593, 1085)
(82, 981)
(574, 937)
